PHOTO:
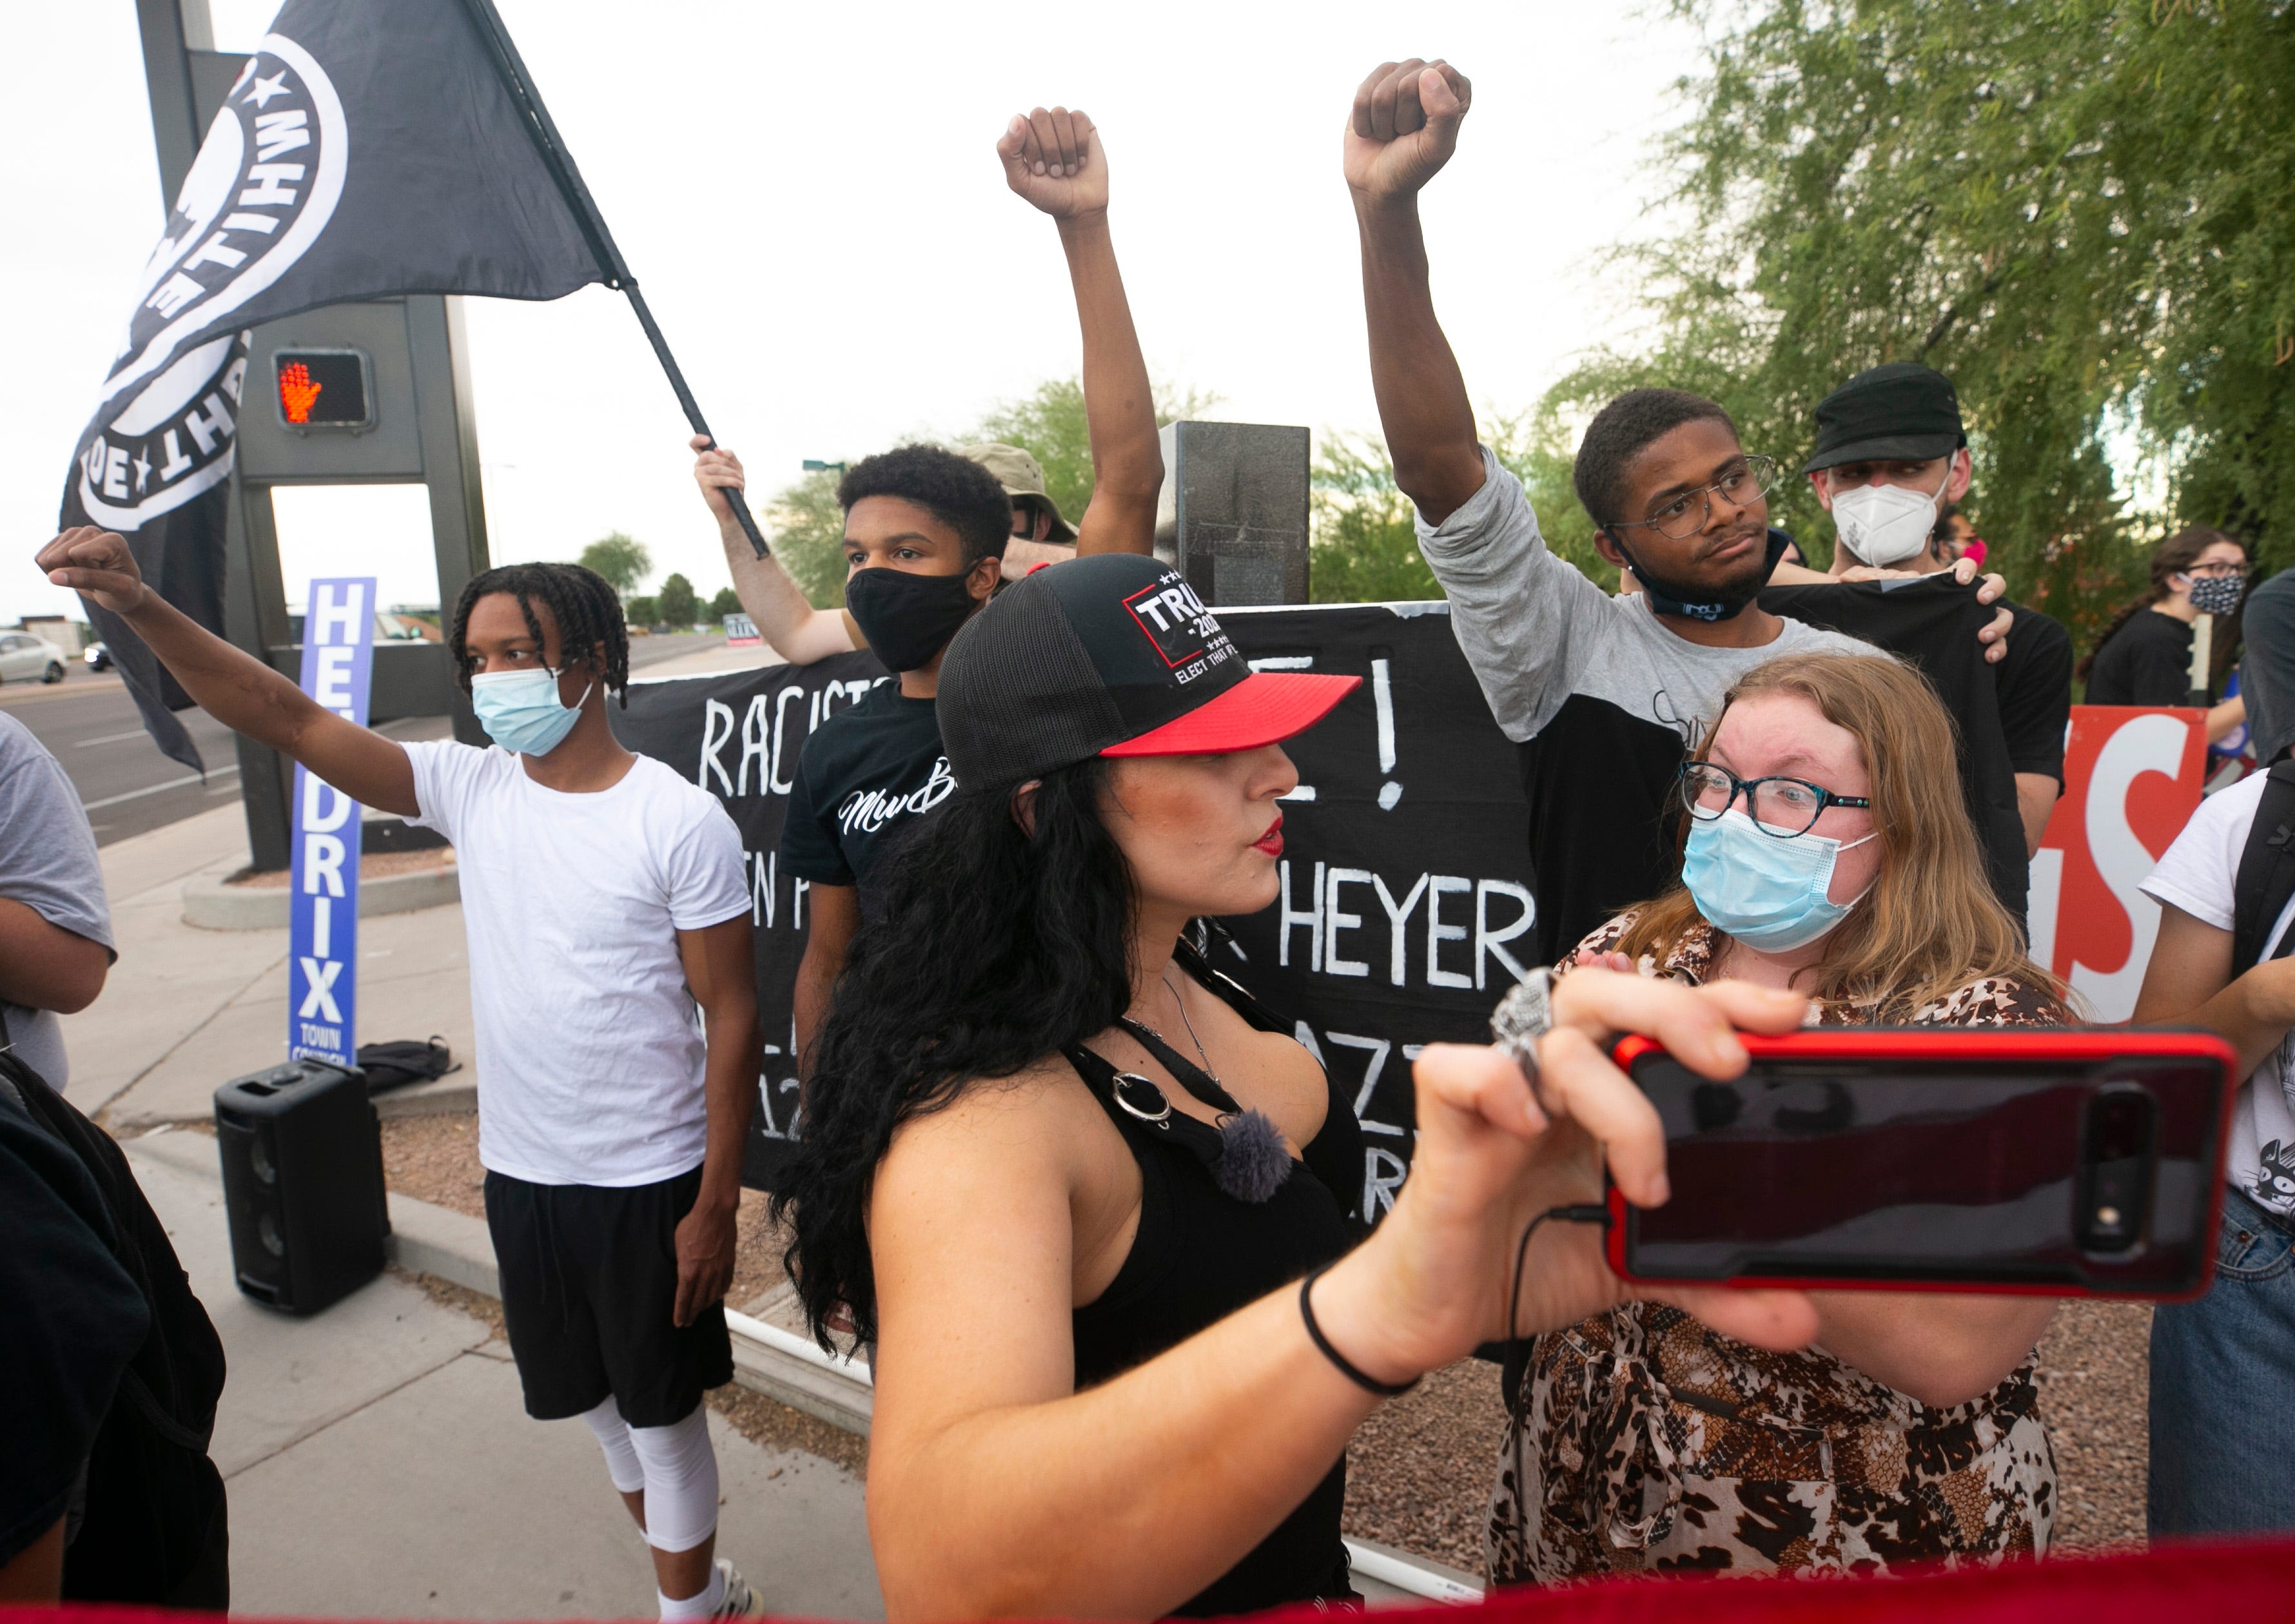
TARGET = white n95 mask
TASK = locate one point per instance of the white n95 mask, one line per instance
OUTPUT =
(1884, 524)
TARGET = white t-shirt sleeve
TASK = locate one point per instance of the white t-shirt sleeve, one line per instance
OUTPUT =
(2200, 869)
(445, 771)
(707, 870)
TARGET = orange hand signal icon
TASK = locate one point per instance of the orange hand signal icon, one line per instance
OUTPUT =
(297, 392)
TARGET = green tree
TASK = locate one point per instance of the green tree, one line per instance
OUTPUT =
(677, 605)
(643, 612)
(1362, 548)
(1049, 424)
(806, 530)
(726, 602)
(2078, 209)
(1365, 546)
(622, 560)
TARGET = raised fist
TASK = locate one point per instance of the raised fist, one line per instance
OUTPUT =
(1056, 160)
(1404, 127)
(96, 562)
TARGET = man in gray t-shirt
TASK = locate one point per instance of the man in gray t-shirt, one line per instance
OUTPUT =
(55, 928)
(1605, 695)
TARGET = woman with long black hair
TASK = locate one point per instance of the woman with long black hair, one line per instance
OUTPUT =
(1066, 1181)
(2144, 656)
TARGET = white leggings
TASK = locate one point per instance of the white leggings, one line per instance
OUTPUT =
(674, 1464)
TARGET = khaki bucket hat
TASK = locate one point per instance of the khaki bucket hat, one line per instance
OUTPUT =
(1023, 479)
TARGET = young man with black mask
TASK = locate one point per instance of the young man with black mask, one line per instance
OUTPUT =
(1605, 695)
(1891, 458)
(925, 531)
(1057, 160)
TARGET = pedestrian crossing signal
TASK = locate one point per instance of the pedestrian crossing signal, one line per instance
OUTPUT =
(323, 388)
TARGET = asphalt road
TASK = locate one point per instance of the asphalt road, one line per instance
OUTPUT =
(127, 786)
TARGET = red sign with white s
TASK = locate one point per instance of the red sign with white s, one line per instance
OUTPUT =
(2131, 779)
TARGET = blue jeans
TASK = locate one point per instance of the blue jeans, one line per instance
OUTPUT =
(2223, 1388)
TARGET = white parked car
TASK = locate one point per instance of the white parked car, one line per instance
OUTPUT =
(26, 658)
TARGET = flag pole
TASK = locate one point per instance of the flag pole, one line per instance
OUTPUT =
(510, 68)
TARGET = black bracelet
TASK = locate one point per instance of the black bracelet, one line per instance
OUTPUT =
(1372, 1385)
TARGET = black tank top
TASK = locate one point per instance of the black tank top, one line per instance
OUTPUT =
(1199, 1255)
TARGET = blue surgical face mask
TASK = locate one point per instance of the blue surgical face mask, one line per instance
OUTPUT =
(521, 712)
(1767, 893)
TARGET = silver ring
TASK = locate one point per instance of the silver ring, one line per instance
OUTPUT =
(1521, 1018)
(1161, 1115)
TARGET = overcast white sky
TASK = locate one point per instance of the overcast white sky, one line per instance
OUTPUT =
(810, 197)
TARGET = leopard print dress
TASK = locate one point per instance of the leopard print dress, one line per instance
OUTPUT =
(1649, 1442)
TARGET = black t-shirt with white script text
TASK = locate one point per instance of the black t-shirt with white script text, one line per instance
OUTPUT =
(862, 781)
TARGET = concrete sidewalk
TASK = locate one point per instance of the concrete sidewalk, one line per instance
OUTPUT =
(186, 1009)
(380, 1463)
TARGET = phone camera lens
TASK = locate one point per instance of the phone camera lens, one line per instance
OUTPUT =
(2119, 1162)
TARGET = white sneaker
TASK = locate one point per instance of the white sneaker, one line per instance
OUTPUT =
(740, 1601)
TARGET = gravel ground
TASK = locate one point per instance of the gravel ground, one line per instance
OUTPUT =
(2095, 1371)
(436, 1159)
(1419, 1470)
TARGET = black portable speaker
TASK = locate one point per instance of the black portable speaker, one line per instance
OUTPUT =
(302, 1181)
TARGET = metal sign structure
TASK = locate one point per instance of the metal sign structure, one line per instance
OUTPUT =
(415, 426)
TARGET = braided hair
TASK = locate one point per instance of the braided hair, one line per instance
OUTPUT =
(588, 613)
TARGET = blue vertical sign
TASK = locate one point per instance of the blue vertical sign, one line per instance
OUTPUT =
(323, 952)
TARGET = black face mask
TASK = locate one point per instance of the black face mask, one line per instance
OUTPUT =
(907, 618)
(1670, 598)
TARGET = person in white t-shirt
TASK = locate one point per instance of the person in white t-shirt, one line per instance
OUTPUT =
(608, 919)
(2223, 1367)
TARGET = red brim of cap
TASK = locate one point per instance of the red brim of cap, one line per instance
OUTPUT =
(1265, 708)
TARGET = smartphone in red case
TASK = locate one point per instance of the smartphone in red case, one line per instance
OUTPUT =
(2061, 1162)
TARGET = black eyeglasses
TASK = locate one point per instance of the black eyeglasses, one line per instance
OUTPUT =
(1744, 483)
(1783, 807)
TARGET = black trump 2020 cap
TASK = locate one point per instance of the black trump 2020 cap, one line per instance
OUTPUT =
(1900, 413)
(1110, 655)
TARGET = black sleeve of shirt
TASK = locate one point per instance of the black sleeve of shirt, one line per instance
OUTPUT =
(2143, 664)
(71, 1322)
(808, 846)
(2035, 693)
(2161, 674)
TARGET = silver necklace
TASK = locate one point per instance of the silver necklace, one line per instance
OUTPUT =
(1201, 1052)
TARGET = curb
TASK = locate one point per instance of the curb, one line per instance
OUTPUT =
(456, 1093)
(210, 905)
(767, 1359)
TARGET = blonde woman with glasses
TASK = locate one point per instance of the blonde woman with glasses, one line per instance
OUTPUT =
(1828, 855)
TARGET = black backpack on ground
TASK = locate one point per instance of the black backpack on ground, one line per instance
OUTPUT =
(2266, 872)
(397, 1064)
(155, 1529)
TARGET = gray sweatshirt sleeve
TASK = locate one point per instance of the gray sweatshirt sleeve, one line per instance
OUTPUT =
(1529, 622)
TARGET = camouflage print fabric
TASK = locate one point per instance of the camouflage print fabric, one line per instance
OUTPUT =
(1648, 1442)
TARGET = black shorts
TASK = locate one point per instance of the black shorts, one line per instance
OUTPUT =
(589, 1286)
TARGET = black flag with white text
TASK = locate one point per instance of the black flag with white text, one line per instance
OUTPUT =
(364, 151)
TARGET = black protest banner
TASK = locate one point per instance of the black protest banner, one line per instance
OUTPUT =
(1405, 906)
(737, 737)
